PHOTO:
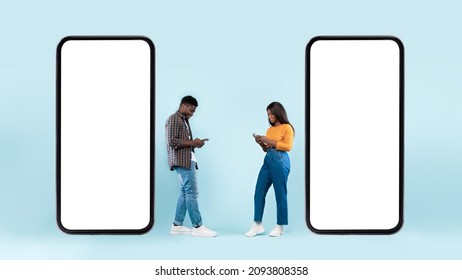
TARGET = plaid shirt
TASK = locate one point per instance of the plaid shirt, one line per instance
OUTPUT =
(177, 129)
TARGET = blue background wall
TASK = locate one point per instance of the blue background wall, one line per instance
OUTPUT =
(235, 57)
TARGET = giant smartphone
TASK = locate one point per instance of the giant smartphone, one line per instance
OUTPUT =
(355, 134)
(105, 134)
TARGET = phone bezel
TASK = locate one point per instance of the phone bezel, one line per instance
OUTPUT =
(401, 137)
(151, 133)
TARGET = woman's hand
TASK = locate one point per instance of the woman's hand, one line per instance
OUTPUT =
(267, 142)
(263, 139)
(259, 141)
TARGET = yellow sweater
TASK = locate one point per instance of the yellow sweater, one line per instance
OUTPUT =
(284, 136)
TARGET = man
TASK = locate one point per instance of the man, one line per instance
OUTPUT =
(181, 158)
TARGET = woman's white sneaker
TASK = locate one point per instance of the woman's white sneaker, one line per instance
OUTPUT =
(202, 231)
(255, 230)
(180, 230)
(277, 231)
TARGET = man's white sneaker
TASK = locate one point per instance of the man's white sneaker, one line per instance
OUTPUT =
(277, 231)
(202, 231)
(180, 230)
(255, 230)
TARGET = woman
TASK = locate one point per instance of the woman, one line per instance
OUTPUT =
(275, 170)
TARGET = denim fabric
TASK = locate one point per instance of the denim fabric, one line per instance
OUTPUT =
(275, 171)
(187, 200)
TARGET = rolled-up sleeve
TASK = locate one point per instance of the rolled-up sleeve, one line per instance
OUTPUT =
(172, 128)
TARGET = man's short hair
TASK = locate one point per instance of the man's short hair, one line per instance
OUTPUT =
(188, 99)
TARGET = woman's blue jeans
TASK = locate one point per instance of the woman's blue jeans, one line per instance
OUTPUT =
(275, 171)
(187, 200)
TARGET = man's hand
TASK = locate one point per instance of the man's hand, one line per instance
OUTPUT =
(198, 143)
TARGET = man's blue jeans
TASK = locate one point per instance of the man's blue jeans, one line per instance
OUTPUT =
(275, 171)
(187, 200)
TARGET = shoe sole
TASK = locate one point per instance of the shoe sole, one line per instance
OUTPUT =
(272, 235)
(202, 235)
(180, 233)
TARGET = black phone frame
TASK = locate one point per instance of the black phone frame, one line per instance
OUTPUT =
(152, 135)
(308, 135)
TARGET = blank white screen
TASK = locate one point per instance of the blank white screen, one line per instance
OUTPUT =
(105, 134)
(354, 134)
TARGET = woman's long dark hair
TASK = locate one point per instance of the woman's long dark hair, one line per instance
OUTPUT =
(279, 113)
